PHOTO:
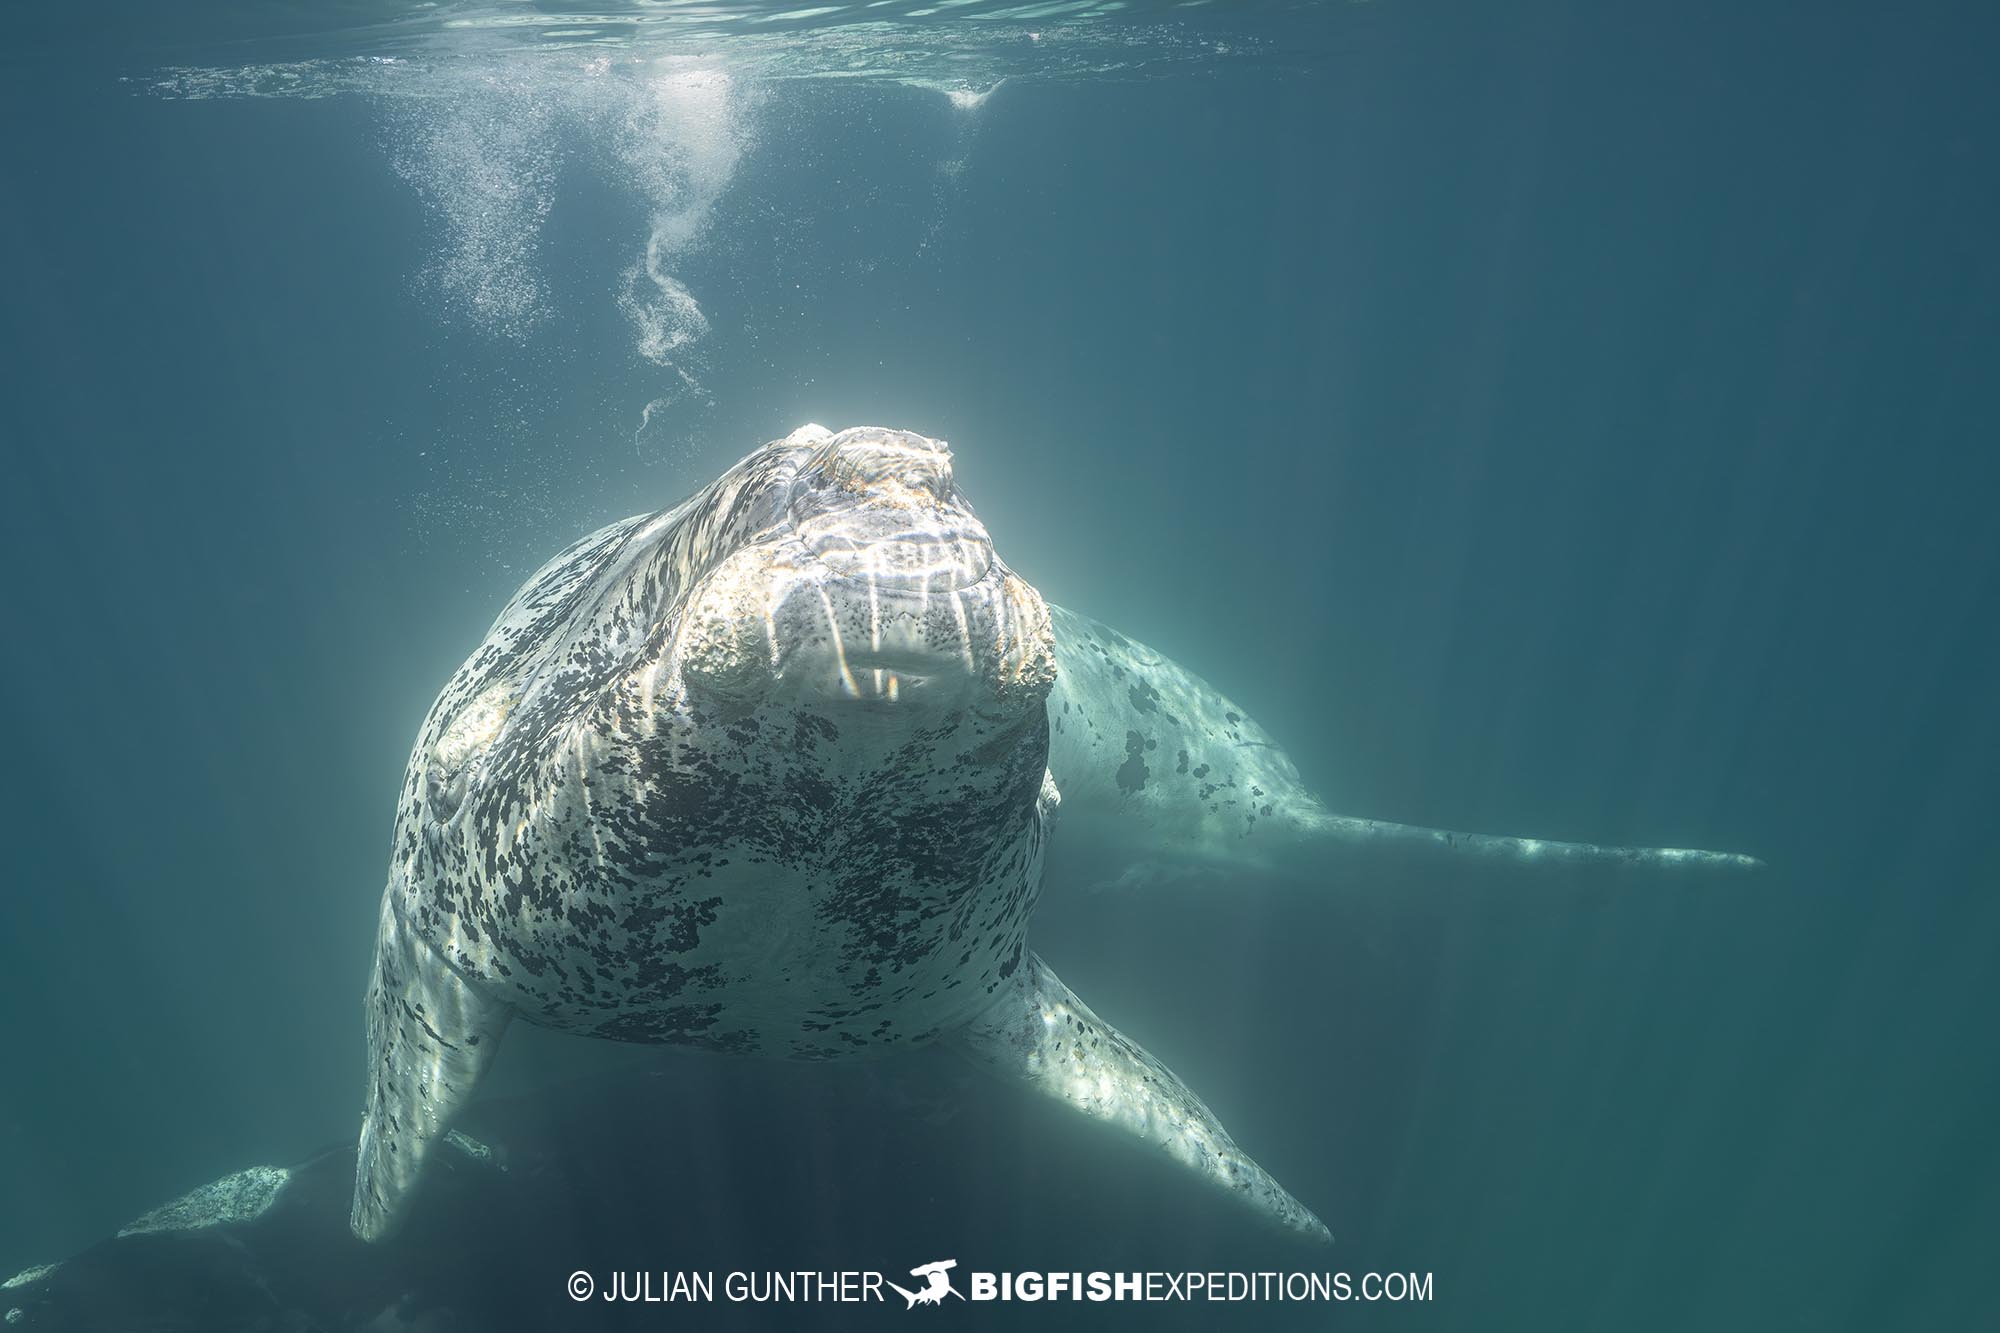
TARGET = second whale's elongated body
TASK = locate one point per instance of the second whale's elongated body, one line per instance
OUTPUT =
(771, 773)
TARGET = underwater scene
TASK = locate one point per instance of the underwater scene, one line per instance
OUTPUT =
(1070, 664)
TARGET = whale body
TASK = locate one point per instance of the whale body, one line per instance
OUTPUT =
(772, 772)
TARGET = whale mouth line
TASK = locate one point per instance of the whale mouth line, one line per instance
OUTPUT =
(871, 679)
(909, 666)
(886, 673)
(879, 686)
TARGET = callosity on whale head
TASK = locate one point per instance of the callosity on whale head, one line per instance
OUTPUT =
(873, 582)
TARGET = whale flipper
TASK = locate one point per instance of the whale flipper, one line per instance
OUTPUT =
(1151, 757)
(430, 1036)
(1040, 1033)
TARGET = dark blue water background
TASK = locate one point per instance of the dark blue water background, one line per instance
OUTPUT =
(1550, 418)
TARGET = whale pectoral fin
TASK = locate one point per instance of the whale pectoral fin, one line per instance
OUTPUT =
(1525, 851)
(1041, 1034)
(1154, 760)
(1156, 764)
(430, 1036)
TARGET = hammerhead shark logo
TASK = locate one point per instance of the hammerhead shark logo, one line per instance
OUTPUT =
(939, 1286)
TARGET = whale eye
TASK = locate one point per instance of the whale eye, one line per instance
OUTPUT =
(444, 792)
(469, 735)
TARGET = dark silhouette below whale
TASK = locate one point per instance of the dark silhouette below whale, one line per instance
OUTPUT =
(689, 1163)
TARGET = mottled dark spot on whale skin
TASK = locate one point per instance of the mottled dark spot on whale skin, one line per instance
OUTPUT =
(1133, 772)
(809, 730)
(680, 1024)
(1181, 762)
(1144, 697)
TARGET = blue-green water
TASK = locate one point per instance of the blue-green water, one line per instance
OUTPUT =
(1555, 419)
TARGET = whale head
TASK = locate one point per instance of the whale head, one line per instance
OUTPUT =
(849, 574)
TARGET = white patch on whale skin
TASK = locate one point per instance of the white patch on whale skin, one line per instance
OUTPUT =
(468, 1145)
(241, 1197)
(476, 727)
